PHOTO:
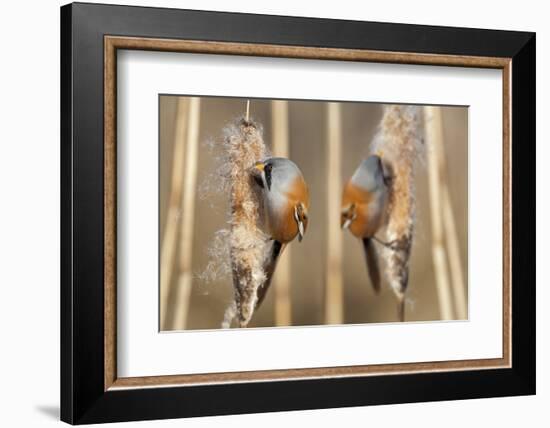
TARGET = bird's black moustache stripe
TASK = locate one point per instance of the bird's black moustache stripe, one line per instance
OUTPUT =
(268, 178)
(258, 180)
(267, 171)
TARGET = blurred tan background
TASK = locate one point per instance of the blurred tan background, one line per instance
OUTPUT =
(308, 149)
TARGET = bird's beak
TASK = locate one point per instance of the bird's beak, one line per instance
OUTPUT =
(259, 166)
(347, 216)
(301, 231)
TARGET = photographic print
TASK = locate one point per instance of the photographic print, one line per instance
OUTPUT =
(294, 183)
(277, 213)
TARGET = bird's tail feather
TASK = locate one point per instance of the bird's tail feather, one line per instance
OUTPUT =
(373, 264)
(269, 269)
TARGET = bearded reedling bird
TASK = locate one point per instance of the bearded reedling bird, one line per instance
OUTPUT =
(364, 205)
(285, 206)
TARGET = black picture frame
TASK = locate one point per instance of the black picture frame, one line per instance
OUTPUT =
(83, 396)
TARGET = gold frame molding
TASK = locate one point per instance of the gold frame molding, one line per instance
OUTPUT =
(113, 43)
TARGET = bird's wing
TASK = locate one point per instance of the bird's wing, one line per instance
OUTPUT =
(269, 268)
(373, 265)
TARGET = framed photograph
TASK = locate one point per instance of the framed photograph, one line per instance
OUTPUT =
(265, 213)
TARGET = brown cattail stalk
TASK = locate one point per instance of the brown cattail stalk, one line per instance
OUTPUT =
(434, 139)
(248, 244)
(399, 145)
(281, 278)
(183, 286)
(334, 296)
(168, 250)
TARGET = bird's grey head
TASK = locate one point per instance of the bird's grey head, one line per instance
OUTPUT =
(370, 174)
(275, 174)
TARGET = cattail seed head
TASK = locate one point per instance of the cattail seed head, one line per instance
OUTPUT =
(245, 146)
(400, 143)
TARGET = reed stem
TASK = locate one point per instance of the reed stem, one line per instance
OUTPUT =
(168, 246)
(455, 262)
(434, 140)
(183, 290)
(281, 278)
(334, 296)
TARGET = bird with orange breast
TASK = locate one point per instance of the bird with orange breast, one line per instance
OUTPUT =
(285, 198)
(364, 205)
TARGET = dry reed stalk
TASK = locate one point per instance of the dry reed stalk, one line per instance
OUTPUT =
(455, 262)
(168, 249)
(334, 296)
(400, 146)
(434, 139)
(281, 278)
(248, 244)
(183, 287)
